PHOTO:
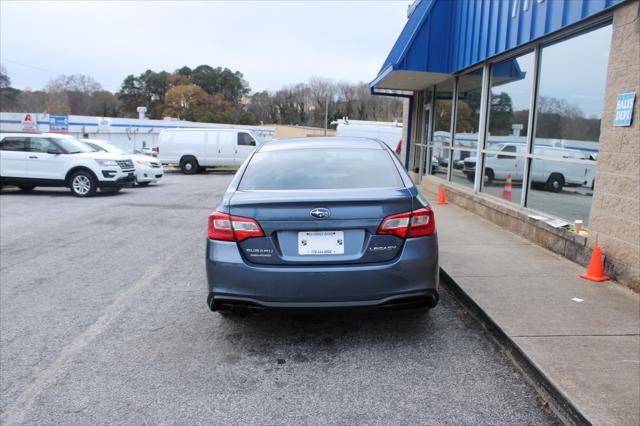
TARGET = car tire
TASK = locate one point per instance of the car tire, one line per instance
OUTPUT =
(555, 183)
(470, 176)
(26, 187)
(189, 166)
(83, 184)
(488, 173)
(142, 183)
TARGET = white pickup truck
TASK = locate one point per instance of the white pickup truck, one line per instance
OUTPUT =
(550, 174)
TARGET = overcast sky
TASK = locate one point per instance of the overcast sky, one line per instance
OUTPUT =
(273, 43)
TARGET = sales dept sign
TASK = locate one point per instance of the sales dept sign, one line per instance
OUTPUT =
(624, 109)
(58, 123)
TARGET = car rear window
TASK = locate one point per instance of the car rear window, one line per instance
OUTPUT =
(320, 169)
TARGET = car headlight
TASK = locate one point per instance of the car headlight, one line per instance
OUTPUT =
(108, 163)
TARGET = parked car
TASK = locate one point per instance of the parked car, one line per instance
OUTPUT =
(322, 223)
(196, 149)
(148, 169)
(548, 173)
(28, 160)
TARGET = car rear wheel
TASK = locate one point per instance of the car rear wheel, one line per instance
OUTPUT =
(189, 166)
(555, 183)
(26, 187)
(490, 176)
(83, 184)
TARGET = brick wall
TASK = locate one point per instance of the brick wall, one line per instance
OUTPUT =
(615, 213)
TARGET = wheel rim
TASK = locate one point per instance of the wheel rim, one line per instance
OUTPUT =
(556, 184)
(81, 184)
(188, 166)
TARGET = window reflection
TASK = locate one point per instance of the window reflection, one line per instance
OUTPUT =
(511, 83)
(468, 110)
(571, 91)
(439, 160)
(459, 171)
(562, 189)
(503, 173)
(441, 138)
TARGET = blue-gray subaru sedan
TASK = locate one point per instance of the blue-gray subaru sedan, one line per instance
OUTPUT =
(322, 223)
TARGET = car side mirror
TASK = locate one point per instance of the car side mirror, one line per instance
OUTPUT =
(53, 151)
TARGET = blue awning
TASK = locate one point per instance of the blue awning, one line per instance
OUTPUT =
(410, 65)
(443, 37)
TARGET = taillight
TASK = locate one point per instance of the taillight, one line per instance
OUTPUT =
(417, 223)
(225, 227)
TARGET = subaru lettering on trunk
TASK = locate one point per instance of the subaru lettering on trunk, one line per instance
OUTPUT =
(372, 244)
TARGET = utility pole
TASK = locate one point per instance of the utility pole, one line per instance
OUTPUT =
(326, 116)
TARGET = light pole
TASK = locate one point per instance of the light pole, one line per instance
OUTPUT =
(326, 116)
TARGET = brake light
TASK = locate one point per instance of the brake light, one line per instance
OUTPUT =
(417, 223)
(225, 227)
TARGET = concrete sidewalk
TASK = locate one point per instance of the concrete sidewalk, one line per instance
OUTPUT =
(588, 350)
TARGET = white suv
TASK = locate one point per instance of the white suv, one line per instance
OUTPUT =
(28, 160)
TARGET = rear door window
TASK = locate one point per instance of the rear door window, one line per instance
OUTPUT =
(41, 145)
(321, 169)
(13, 144)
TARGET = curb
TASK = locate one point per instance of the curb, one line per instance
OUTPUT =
(558, 401)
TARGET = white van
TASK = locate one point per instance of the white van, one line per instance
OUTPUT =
(388, 132)
(197, 149)
(553, 175)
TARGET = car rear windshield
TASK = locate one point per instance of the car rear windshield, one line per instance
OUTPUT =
(320, 169)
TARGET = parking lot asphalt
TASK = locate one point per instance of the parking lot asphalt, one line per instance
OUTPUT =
(103, 320)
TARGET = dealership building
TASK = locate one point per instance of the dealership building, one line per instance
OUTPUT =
(525, 111)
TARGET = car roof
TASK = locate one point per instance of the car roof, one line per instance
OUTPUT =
(322, 142)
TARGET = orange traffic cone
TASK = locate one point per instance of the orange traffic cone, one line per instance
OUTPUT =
(594, 271)
(441, 197)
(506, 191)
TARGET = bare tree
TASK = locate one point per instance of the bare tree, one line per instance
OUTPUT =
(70, 94)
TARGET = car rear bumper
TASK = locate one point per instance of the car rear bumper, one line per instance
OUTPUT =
(409, 280)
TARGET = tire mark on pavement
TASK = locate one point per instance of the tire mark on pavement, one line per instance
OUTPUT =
(17, 411)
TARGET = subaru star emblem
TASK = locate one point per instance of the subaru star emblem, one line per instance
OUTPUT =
(320, 213)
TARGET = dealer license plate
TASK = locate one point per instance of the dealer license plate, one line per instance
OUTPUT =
(320, 242)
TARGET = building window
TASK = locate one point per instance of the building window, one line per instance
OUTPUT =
(561, 160)
(465, 141)
(507, 130)
(441, 139)
(417, 130)
(568, 113)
